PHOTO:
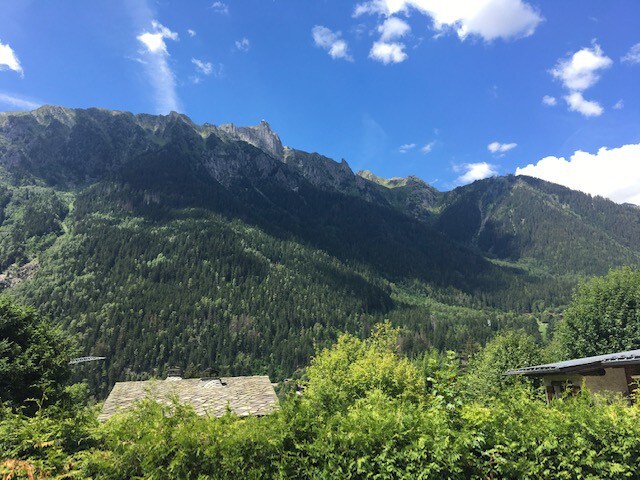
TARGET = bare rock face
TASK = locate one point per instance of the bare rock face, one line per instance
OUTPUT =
(230, 161)
(260, 136)
(327, 174)
(16, 274)
(74, 148)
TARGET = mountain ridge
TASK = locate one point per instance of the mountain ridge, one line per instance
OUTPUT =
(74, 148)
(160, 242)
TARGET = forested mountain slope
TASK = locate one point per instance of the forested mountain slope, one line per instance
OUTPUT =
(543, 224)
(159, 242)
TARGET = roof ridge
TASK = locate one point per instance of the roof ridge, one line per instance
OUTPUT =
(606, 359)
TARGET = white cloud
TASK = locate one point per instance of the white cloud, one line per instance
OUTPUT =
(406, 147)
(619, 105)
(192, 33)
(154, 41)
(588, 108)
(581, 70)
(578, 73)
(243, 44)
(633, 55)
(474, 171)
(18, 102)
(385, 50)
(388, 52)
(220, 7)
(497, 147)
(157, 65)
(331, 42)
(393, 28)
(612, 173)
(206, 68)
(9, 59)
(428, 147)
(489, 19)
(549, 101)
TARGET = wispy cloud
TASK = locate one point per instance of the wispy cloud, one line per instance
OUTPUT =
(619, 105)
(406, 147)
(428, 147)
(497, 147)
(331, 42)
(21, 103)
(156, 62)
(9, 60)
(206, 68)
(220, 7)
(633, 55)
(549, 101)
(192, 33)
(243, 44)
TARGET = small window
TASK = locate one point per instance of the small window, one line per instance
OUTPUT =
(559, 389)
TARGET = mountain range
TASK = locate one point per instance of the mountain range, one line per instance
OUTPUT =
(158, 242)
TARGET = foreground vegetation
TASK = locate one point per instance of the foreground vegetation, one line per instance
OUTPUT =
(366, 412)
(370, 408)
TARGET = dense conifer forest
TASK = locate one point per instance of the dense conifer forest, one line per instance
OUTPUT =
(156, 242)
(366, 410)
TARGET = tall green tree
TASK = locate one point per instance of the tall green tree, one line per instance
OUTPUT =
(507, 350)
(34, 357)
(604, 316)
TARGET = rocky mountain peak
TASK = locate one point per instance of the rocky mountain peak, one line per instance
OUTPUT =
(384, 182)
(394, 182)
(260, 136)
(48, 113)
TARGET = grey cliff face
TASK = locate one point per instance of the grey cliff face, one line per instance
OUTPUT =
(324, 172)
(72, 148)
(228, 162)
(261, 136)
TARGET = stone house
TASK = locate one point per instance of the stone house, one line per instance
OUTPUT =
(243, 396)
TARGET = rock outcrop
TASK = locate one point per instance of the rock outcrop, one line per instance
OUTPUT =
(260, 136)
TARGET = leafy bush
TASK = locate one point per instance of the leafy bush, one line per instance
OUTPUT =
(47, 442)
(354, 420)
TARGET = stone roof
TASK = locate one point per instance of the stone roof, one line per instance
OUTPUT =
(619, 359)
(208, 396)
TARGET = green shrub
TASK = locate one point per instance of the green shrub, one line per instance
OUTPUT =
(355, 420)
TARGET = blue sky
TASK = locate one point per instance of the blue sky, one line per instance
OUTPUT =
(449, 90)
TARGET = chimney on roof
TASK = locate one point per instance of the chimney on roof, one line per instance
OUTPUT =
(174, 373)
(210, 373)
(211, 378)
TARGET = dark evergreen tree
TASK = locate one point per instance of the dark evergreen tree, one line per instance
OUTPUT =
(34, 357)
